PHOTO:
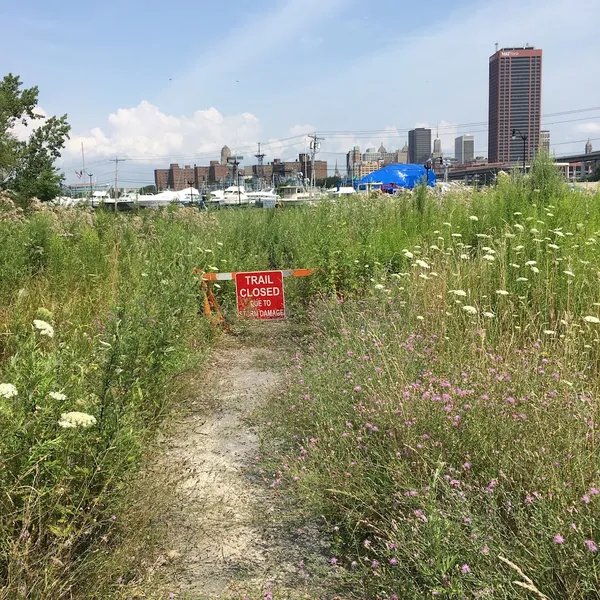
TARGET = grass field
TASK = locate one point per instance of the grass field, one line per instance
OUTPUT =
(443, 414)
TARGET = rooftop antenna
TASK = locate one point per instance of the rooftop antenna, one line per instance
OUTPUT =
(496, 46)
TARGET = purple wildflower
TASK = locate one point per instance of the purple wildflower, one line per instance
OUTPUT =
(591, 546)
(465, 569)
(558, 539)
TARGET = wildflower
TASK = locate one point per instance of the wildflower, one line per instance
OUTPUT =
(569, 273)
(74, 419)
(422, 264)
(558, 539)
(458, 292)
(489, 315)
(484, 236)
(489, 257)
(530, 263)
(515, 265)
(519, 226)
(44, 328)
(549, 332)
(464, 256)
(502, 292)
(375, 564)
(474, 218)
(423, 276)
(457, 235)
(585, 499)
(534, 230)
(591, 546)
(471, 310)
(379, 286)
(333, 561)
(420, 318)
(8, 390)
(535, 270)
(591, 319)
(393, 562)
(57, 396)
(522, 279)
(554, 246)
(465, 569)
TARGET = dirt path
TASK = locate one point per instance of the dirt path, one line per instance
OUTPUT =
(226, 532)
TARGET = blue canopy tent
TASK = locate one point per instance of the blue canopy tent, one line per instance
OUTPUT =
(399, 176)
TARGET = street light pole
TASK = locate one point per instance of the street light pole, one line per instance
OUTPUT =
(524, 138)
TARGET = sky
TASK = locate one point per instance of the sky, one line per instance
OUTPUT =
(156, 82)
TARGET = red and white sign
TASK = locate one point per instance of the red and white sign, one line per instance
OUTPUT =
(260, 295)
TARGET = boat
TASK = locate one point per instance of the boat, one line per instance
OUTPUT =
(264, 198)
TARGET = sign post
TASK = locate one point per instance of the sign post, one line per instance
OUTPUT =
(260, 295)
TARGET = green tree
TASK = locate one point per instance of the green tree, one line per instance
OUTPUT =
(148, 189)
(329, 182)
(595, 176)
(27, 167)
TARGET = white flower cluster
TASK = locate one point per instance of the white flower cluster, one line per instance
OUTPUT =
(44, 328)
(74, 419)
(8, 390)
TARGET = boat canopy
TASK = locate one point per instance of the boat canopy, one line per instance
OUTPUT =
(400, 175)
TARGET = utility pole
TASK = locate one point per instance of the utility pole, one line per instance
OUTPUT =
(314, 148)
(117, 160)
(261, 171)
(90, 175)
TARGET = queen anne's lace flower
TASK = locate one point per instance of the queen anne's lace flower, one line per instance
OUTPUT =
(8, 390)
(44, 328)
(57, 396)
(74, 419)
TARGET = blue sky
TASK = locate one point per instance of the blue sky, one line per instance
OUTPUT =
(160, 86)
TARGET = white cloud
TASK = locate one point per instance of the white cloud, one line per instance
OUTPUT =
(588, 128)
(147, 133)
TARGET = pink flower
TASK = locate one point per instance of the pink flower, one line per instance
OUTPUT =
(333, 561)
(465, 569)
(393, 562)
(591, 546)
(585, 498)
(357, 388)
(558, 539)
(594, 491)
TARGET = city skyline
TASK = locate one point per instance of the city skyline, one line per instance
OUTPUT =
(186, 99)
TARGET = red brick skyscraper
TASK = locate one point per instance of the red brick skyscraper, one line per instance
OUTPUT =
(515, 103)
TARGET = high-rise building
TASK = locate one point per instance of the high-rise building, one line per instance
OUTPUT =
(225, 154)
(515, 103)
(437, 149)
(545, 141)
(464, 149)
(403, 154)
(419, 145)
(352, 158)
(588, 147)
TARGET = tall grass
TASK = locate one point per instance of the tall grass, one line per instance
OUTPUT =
(97, 314)
(444, 420)
(401, 388)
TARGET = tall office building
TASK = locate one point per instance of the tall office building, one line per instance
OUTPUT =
(352, 158)
(545, 141)
(515, 103)
(225, 155)
(437, 149)
(419, 145)
(464, 149)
